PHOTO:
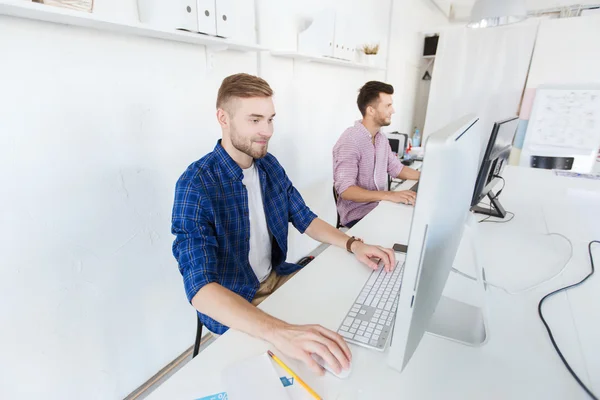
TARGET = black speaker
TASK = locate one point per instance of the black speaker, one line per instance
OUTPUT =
(544, 162)
(430, 46)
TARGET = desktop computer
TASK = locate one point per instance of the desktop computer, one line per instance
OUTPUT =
(403, 305)
(492, 165)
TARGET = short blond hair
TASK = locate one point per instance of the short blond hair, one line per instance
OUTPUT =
(242, 86)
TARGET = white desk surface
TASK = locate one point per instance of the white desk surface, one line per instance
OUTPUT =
(517, 362)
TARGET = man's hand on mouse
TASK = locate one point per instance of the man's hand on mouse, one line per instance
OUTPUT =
(300, 341)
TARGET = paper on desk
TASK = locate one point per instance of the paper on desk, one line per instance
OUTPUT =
(571, 174)
(254, 379)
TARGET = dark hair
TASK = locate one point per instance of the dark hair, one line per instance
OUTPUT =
(369, 93)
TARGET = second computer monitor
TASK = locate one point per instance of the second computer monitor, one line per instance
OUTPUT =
(492, 165)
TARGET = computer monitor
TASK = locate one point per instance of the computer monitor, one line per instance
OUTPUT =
(492, 165)
(441, 211)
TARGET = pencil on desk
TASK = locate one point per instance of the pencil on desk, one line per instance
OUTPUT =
(296, 377)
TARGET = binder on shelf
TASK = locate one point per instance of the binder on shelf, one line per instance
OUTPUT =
(317, 39)
(206, 17)
(172, 14)
(342, 47)
(225, 18)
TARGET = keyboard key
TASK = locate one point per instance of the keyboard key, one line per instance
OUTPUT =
(379, 327)
(375, 337)
(369, 299)
(385, 314)
(382, 321)
(373, 342)
(347, 335)
(372, 325)
(374, 319)
(370, 330)
(361, 339)
(377, 312)
(357, 323)
(360, 332)
(345, 328)
(378, 331)
(361, 300)
(388, 306)
(362, 312)
(352, 314)
(348, 321)
(352, 330)
(372, 278)
(388, 323)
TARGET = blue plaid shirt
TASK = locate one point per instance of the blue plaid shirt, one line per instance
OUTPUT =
(212, 227)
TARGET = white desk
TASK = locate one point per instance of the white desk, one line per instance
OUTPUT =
(517, 362)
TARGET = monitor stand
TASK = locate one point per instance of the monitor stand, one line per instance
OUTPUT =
(458, 320)
(495, 209)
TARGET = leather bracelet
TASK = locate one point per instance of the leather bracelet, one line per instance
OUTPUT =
(350, 241)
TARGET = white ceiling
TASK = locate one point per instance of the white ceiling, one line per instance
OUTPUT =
(462, 8)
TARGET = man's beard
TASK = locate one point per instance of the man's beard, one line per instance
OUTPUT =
(245, 146)
(383, 122)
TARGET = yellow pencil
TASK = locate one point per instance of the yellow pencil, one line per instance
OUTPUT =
(292, 373)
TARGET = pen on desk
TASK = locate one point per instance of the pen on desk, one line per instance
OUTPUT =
(296, 377)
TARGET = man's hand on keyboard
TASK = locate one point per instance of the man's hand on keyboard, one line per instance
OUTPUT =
(300, 341)
(365, 252)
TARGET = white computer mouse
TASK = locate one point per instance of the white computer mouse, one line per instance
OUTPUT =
(342, 375)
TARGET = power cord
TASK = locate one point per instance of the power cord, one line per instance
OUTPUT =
(502, 221)
(486, 219)
(541, 303)
(465, 275)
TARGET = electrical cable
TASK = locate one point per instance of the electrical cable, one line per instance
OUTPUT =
(527, 289)
(541, 303)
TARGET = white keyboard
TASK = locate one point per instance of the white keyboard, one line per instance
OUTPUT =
(371, 317)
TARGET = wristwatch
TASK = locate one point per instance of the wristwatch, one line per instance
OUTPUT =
(350, 241)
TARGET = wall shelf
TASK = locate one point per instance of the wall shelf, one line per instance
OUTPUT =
(41, 12)
(324, 60)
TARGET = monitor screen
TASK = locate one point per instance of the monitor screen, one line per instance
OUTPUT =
(496, 157)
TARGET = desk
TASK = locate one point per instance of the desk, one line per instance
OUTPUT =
(517, 362)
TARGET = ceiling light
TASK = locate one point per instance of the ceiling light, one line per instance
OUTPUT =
(489, 13)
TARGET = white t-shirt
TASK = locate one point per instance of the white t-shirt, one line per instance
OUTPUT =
(260, 239)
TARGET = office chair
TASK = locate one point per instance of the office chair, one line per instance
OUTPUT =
(545, 162)
(198, 337)
(338, 224)
(399, 147)
(395, 145)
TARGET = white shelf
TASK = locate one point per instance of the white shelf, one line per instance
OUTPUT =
(41, 12)
(323, 60)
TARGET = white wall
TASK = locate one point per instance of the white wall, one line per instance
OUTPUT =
(411, 19)
(481, 71)
(567, 54)
(567, 51)
(96, 128)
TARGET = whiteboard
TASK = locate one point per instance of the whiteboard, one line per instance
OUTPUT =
(565, 118)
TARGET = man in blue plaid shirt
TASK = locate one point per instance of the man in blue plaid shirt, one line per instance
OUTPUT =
(230, 217)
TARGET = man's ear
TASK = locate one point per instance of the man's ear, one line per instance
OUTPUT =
(223, 118)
